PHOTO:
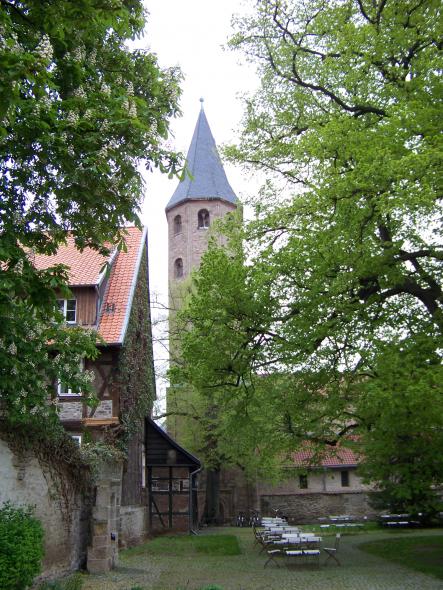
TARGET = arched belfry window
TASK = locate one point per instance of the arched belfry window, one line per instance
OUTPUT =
(177, 224)
(203, 219)
(178, 268)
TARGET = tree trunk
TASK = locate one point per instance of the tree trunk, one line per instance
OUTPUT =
(211, 514)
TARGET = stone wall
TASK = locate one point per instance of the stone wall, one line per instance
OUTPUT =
(309, 508)
(24, 482)
(133, 525)
(237, 494)
(105, 523)
(317, 481)
(191, 242)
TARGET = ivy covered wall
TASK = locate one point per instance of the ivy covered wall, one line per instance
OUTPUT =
(137, 385)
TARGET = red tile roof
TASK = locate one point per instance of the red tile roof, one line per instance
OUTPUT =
(331, 457)
(121, 286)
(85, 270)
(84, 267)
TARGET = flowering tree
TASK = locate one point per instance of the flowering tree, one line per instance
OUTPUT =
(78, 112)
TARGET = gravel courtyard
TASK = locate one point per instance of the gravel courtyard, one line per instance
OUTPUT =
(359, 570)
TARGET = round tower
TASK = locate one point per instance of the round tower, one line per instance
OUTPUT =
(203, 196)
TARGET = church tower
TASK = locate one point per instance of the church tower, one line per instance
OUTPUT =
(197, 201)
(203, 196)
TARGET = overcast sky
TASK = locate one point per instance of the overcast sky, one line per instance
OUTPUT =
(191, 34)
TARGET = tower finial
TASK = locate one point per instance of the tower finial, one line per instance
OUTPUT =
(202, 100)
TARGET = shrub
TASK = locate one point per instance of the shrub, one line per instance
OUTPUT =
(21, 547)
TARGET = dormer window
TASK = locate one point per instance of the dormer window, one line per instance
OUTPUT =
(203, 219)
(178, 268)
(177, 224)
(68, 308)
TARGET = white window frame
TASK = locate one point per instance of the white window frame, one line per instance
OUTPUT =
(64, 310)
(77, 438)
(70, 393)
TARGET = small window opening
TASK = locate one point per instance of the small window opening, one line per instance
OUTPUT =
(63, 390)
(68, 307)
(178, 268)
(345, 479)
(203, 219)
(303, 481)
(177, 224)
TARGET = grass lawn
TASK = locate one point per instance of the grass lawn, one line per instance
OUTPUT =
(424, 554)
(189, 545)
(228, 559)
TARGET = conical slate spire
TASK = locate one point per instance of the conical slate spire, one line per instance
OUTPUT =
(209, 179)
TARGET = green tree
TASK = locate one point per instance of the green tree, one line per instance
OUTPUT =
(343, 273)
(79, 111)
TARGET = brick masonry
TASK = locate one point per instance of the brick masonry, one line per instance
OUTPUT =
(191, 243)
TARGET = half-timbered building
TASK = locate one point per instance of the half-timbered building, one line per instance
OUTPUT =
(111, 296)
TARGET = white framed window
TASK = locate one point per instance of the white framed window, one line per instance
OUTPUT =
(68, 307)
(159, 485)
(63, 390)
(77, 438)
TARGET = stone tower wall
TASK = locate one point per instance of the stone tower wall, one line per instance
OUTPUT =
(191, 243)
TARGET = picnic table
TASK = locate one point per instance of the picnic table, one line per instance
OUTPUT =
(398, 520)
(340, 521)
(302, 546)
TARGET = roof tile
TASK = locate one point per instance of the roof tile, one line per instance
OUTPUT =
(85, 269)
(123, 275)
(332, 457)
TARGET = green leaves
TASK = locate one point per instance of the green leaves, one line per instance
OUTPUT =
(21, 547)
(78, 112)
(332, 322)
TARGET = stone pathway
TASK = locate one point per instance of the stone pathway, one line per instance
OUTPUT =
(359, 571)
